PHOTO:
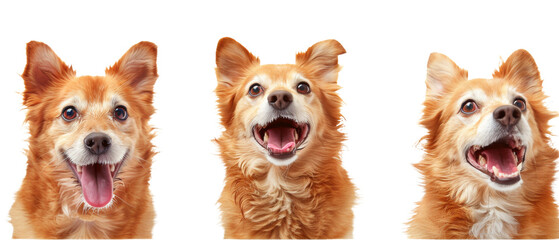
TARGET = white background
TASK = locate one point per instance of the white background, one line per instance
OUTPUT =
(388, 44)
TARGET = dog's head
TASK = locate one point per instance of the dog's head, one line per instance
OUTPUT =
(94, 128)
(274, 112)
(486, 130)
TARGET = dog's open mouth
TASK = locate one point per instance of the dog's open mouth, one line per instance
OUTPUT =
(282, 137)
(96, 180)
(501, 160)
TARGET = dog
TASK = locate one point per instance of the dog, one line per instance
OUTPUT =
(489, 166)
(281, 145)
(90, 153)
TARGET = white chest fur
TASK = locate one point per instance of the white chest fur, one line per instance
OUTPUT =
(494, 219)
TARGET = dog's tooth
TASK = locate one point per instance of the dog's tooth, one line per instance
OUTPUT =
(265, 137)
(482, 161)
(79, 168)
(515, 158)
(112, 167)
(495, 170)
(296, 136)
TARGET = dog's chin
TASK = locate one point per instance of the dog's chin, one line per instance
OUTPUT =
(96, 180)
(282, 161)
(281, 138)
(499, 162)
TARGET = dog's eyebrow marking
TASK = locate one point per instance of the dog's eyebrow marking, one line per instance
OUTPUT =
(117, 100)
(300, 77)
(74, 101)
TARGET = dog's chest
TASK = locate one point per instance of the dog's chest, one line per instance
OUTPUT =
(281, 208)
(78, 229)
(494, 220)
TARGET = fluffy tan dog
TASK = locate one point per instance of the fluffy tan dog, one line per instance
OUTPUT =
(488, 166)
(89, 154)
(281, 145)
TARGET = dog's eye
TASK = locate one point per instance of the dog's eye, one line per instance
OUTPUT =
(303, 88)
(469, 107)
(520, 103)
(121, 113)
(255, 90)
(69, 113)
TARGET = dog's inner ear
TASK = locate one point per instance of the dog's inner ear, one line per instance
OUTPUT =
(321, 60)
(137, 67)
(442, 74)
(233, 61)
(521, 69)
(43, 68)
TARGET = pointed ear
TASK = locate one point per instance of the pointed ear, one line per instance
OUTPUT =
(521, 69)
(322, 60)
(442, 74)
(232, 60)
(137, 67)
(44, 69)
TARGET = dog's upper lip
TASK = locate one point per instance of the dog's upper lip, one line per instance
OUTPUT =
(281, 137)
(501, 160)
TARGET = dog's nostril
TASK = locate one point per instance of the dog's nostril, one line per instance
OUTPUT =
(500, 114)
(273, 99)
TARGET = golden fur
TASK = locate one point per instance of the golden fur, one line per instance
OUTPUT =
(458, 203)
(50, 203)
(309, 198)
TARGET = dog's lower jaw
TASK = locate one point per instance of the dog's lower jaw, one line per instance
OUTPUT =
(504, 188)
(281, 162)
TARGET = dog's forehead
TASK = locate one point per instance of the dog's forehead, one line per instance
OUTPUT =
(484, 90)
(276, 74)
(91, 93)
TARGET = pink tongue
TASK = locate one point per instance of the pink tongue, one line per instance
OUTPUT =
(502, 158)
(281, 139)
(97, 184)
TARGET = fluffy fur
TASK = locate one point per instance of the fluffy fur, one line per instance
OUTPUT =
(462, 202)
(50, 203)
(307, 195)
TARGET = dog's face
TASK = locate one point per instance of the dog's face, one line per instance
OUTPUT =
(489, 128)
(94, 127)
(276, 111)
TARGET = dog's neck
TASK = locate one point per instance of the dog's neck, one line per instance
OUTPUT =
(493, 213)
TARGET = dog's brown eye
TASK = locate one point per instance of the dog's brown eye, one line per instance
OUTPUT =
(520, 103)
(121, 113)
(469, 107)
(303, 88)
(255, 90)
(69, 113)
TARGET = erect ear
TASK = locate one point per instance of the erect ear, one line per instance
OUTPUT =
(442, 74)
(322, 60)
(521, 69)
(232, 60)
(43, 69)
(137, 67)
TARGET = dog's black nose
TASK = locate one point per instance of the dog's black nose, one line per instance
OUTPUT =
(280, 99)
(97, 143)
(507, 115)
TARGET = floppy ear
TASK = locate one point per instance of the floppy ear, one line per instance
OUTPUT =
(43, 70)
(137, 67)
(442, 74)
(322, 60)
(232, 60)
(521, 69)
